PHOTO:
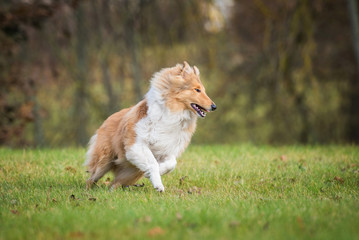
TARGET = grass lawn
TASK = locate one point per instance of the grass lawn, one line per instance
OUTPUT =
(216, 192)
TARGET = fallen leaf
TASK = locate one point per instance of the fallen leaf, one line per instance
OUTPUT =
(337, 197)
(155, 232)
(182, 180)
(234, 224)
(300, 223)
(339, 179)
(76, 234)
(181, 193)
(179, 216)
(147, 219)
(16, 212)
(191, 225)
(54, 200)
(70, 169)
(194, 189)
(284, 158)
(265, 226)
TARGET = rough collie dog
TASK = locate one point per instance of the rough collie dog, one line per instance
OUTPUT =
(145, 139)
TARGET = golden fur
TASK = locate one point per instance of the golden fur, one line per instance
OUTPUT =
(113, 136)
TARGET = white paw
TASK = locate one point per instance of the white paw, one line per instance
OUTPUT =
(160, 188)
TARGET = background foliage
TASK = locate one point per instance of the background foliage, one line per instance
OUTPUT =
(279, 71)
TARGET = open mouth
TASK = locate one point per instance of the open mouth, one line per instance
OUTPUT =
(200, 110)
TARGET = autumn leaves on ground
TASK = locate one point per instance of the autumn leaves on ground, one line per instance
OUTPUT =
(216, 192)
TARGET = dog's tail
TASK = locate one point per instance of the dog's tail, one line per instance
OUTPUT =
(90, 150)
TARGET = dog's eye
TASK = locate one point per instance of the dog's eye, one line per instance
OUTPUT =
(198, 90)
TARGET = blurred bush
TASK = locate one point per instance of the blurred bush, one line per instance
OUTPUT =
(280, 72)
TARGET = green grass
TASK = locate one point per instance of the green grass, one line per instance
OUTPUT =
(226, 192)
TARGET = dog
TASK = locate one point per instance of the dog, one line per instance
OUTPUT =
(145, 139)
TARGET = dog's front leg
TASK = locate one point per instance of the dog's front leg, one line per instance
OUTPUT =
(168, 165)
(141, 156)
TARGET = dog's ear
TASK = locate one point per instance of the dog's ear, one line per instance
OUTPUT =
(196, 71)
(186, 69)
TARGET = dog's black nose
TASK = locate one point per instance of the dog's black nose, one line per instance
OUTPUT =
(213, 107)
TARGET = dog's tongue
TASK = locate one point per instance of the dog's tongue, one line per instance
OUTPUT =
(201, 113)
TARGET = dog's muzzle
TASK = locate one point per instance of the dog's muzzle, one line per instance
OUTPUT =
(213, 107)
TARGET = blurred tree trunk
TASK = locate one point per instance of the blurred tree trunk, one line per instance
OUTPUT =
(353, 126)
(290, 40)
(132, 39)
(102, 15)
(38, 130)
(136, 69)
(80, 113)
(39, 139)
(111, 106)
(300, 35)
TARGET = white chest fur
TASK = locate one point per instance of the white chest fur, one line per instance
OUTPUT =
(166, 133)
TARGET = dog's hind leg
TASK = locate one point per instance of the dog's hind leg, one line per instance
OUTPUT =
(99, 160)
(100, 170)
(125, 173)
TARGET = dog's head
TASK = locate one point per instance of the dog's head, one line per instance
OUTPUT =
(187, 91)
